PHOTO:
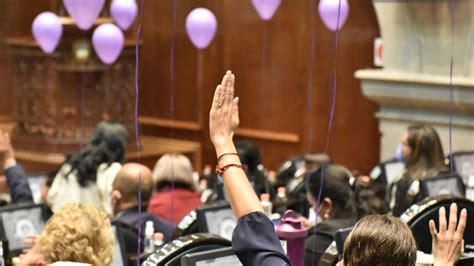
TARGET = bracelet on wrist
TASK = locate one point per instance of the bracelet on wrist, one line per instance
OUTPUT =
(220, 171)
(226, 154)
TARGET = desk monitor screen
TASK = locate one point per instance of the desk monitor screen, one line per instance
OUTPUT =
(18, 222)
(442, 185)
(119, 256)
(464, 165)
(36, 182)
(219, 220)
(215, 257)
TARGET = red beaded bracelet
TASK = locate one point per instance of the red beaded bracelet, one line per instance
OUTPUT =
(220, 171)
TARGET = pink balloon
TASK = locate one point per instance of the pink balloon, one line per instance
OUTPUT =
(201, 26)
(124, 12)
(47, 31)
(108, 42)
(84, 12)
(266, 8)
(328, 10)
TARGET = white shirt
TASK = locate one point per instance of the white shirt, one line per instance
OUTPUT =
(66, 189)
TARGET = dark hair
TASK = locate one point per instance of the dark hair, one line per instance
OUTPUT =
(335, 186)
(427, 156)
(249, 155)
(380, 240)
(107, 145)
(367, 200)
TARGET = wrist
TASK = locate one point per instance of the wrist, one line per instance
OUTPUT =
(225, 147)
(9, 162)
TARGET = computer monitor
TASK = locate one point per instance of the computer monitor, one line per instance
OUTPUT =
(446, 184)
(119, 255)
(215, 257)
(217, 219)
(464, 166)
(36, 182)
(19, 222)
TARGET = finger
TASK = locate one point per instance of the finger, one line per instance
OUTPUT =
(442, 220)
(433, 230)
(462, 246)
(223, 88)
(235, 106)
(462, 223)
(215, 100)
(453, 218)
(228, 91)
(231, 90)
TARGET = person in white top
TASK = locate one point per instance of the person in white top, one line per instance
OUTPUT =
(87, 176)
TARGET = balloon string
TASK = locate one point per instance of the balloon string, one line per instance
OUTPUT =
(451, 98)
(332, 112)
(310, 99)
(172, 64)
(264, 80)
(310, 76)
(172, 79)
(137, 130)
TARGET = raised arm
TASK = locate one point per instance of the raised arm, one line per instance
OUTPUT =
(448, 243)
(223, 121)
(16, 177)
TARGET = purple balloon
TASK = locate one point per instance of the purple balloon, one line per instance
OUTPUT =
(328, 10)
(47, 31)
(84, 12)
(124, 12)
(266, 8)
(108, 42)
(201, 26)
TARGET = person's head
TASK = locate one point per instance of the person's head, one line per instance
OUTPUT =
(422, 151)
(124, 193)
(336, 191)
(368, 200)
(108, 144)
(380, 240)
(76, 233)
(175, 170)
(249, 155)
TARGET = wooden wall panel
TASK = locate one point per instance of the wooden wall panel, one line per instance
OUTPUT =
(271, 61)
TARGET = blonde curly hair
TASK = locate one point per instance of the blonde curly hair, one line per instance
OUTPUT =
(78, 233)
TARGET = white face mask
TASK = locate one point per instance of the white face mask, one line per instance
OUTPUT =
(312, 216)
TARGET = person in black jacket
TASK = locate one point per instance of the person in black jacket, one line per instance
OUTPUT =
(424, 157)
(255, 241)
(336, 208)
(16, 176)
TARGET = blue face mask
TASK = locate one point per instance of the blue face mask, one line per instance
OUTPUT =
(399, 153)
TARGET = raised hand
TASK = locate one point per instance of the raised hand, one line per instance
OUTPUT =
(224, 114)
(7, 157)
(448, 243)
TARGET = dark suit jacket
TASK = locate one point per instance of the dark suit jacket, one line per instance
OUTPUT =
(130, 217)
(18, 183)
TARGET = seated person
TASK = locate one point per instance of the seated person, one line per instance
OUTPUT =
(75, 233)
(254, 239)
(16, 177)
(336, 209)
(424, 157)
(176, 191)
(250, 158)
(125, 199)
(86, 176)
